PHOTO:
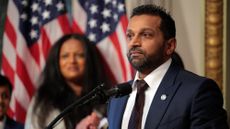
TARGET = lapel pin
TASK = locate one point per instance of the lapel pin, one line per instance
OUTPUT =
(163, 97)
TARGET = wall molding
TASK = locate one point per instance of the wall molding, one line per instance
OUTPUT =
(214, 40)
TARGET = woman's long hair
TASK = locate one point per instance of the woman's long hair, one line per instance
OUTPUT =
(54, 92)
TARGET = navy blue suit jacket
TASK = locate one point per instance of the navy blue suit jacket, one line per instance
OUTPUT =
(192, 102)
(12, 124)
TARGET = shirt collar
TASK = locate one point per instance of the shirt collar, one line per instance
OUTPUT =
(156, 74)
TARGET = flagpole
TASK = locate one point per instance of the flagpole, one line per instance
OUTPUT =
(3, 9)
(68, 4)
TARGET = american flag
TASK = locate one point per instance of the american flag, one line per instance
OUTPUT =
(105, 22)
(31, 27)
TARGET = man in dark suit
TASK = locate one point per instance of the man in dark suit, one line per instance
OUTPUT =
(5, 95)
(174, 98)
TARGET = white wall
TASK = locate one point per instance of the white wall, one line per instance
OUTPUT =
(189, 18)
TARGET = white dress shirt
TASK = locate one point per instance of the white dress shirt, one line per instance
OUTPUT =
(153, 80)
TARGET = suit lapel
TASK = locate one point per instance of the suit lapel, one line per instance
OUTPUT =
(117, 109)
(162, 98)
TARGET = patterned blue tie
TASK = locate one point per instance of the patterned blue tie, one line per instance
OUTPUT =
(136, 116)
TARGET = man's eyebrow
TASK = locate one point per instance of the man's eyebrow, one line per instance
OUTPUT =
(143, 29)
(147, 29)
(129, 30)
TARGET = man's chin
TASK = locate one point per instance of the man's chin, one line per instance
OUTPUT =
(137, 62)
(137, 66)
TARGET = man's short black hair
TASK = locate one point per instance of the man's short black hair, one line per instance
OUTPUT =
(4, 82)
(167, 23)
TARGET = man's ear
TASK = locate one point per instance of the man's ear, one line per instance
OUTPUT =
(170, 46)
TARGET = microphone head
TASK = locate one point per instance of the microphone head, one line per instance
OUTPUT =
(123, 89)
(118, 91)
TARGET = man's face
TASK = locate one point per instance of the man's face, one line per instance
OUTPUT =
(4, 101)
(146, 44)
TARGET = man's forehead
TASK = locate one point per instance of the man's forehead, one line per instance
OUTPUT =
(140, 30)
(144, 21)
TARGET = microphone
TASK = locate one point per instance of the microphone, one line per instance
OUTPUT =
(120, 90)
(97, 94)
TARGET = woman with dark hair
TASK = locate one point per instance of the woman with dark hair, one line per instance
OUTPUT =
(72, 70)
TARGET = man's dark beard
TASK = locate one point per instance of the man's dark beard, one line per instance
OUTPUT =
(140, 65)
(145, 63)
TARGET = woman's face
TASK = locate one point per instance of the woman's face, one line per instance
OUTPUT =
(72, 60)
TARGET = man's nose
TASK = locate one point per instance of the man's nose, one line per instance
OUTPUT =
(136, 41)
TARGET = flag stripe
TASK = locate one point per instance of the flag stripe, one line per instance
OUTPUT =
(53, 31)
(124, 48)
(20, 112)
(9, 53)
(24, 54)
(117, 46)
(7, 69)
(63, 22)
(34, 51)
(79, 16)
(10, 112)
(76, 28)
(10, 32)
(20, 92)
(45, 43)
(108, 49)
(24, 77)
(124, 22)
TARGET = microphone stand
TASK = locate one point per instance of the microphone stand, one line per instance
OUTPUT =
(95, 94)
